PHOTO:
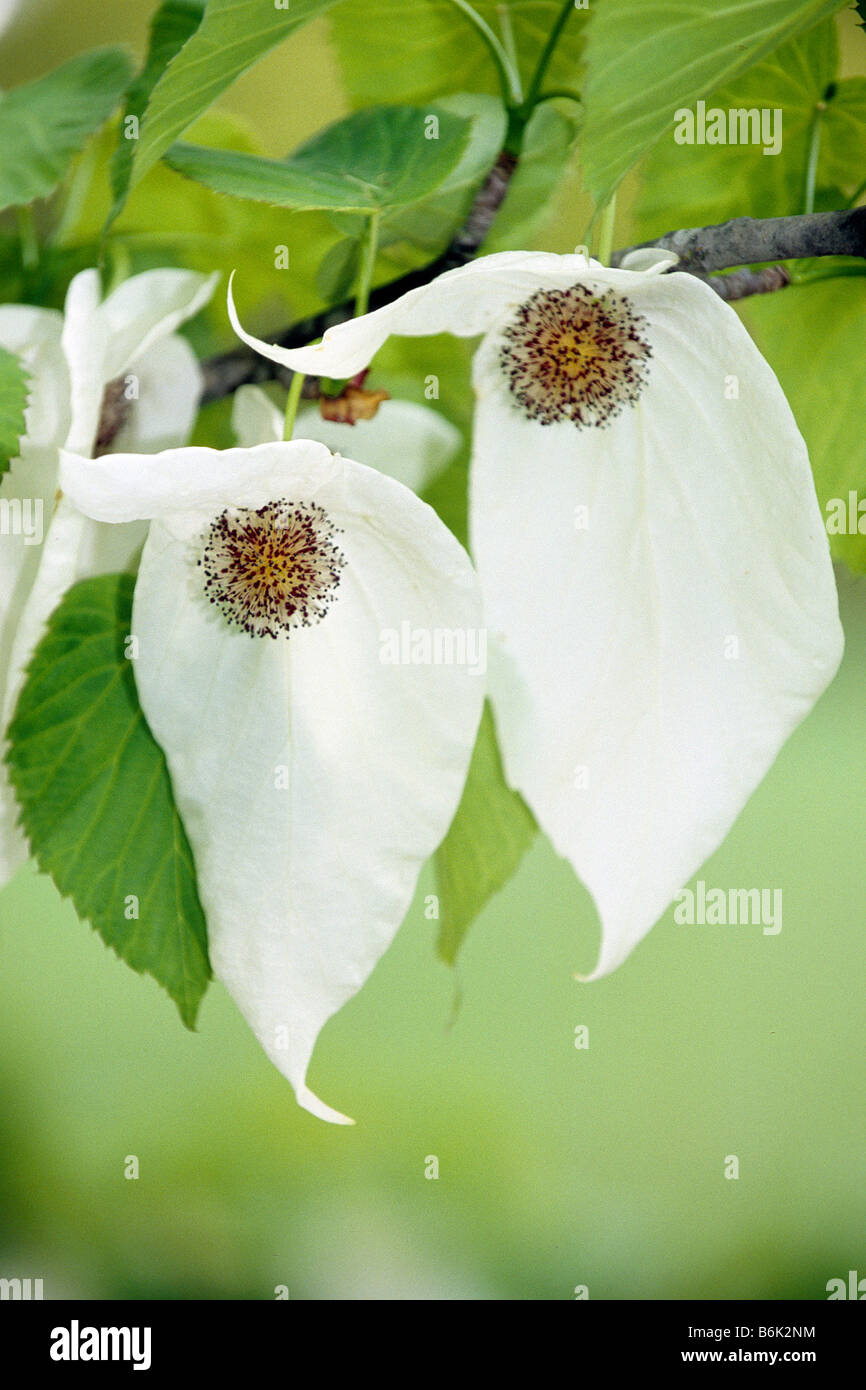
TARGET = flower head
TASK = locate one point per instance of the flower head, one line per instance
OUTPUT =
(128, 344)
(314, 780)
(273, 568)
(655, 572)
(575, 355)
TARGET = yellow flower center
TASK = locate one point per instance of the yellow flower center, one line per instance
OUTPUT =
(575, 355)
(274, 569)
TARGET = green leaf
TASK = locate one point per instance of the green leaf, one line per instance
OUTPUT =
(489, 836)
(541, 179)
(338, 273)
(374, 160)
(46, 122)
(233, 35)
(697, 185)
(431, 222)
(843, 137)
(812, 336)
(174, 22)
(648, 58)
(13, 403)
(412, 235)
(95, 795)
(169, 220)
(384, 57)
(548, 146)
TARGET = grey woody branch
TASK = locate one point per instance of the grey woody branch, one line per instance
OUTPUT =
(740, 284)
(749, 240)
(745, 241)
(742, 242)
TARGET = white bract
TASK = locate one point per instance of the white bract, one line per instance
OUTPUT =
(409, 442)
(314, 780)
(654, 567)
(46, 544)
(8, 11)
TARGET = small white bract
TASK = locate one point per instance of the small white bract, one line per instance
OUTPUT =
(129, 340)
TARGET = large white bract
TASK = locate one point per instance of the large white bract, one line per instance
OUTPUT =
(654, 567)
(129, 339)
(314, 779)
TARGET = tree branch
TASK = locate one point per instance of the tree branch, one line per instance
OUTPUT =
(749, 240)
(742, 242)
(742, 283)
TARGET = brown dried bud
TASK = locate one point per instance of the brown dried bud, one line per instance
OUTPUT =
(352, 405)
(115, 413)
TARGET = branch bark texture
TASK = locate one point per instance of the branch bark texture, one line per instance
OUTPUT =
(748, 240)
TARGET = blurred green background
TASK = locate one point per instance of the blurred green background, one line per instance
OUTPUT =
(557, 1167)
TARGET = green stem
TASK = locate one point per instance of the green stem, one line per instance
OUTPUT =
(548, 52)
(507, 29)
(605, 236)
(509, 78)
(828, 272)
(28, 238)
(812, 160)
(74, 201)
(858, 195)
(295, 390)
(369, 248)
(559, 92)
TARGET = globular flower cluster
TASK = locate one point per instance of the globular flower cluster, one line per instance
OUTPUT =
(575, 355)
(274, 568)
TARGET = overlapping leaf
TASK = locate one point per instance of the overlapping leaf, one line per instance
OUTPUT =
(489, 836)
(95, 794)
(13, 403)
(647, 58)
(44, 123)
(173, 24)
(384, 57)
(233, 35)
(812, 336)
(377, 159)
(695, 185)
